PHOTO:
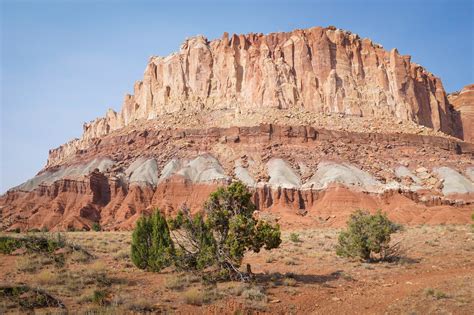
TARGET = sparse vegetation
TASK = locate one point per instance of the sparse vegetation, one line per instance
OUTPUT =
(28, 298)
(218, 240)
(295, 238)
(367, 237)
(99, 297)
(290, 282)
(196, 296)
(96, 227)
(437, 294)
(121, 288)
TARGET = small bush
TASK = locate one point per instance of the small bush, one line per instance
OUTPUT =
(152, 247)
(295, 238)
(96, 227)
(437, 294)
(290, 282)
(179, 282)
(195, 296)
(367, 237)
(46, 277)
(9, 244)
(270, 259)
(141, 306)
(80, 256)
(290, 261)
(254, 294)
(31, 263)
(99, 297)
(28, 298)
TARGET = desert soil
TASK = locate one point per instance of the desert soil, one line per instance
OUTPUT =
(435, 275)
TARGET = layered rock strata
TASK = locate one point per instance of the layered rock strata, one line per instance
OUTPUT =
(292, 171)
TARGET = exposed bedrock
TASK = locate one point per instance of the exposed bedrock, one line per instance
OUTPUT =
(463, 103)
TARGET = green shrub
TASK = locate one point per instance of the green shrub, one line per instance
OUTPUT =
(36, 244)
(9, 244)
(96, 227)
(367, 237)
(219, 238)
(152, 247)
(228, 231)
(99, 297)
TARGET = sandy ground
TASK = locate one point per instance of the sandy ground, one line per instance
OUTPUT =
(434, 276)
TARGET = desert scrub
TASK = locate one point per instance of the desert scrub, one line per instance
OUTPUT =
(28, 298)
(367, 237)
(270, 259)
(97, 273)
(290, 282)
(295, 238)
(179, 282)
(437, 294)
(254, 293)
(31, 263)
(199, 296)
(255, 298)
(96, 227)
(47, 277)
(140, 306)
(9, 244)
(99, 297)
(290, 261)
(212, 242)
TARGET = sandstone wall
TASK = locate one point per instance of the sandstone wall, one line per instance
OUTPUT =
(319, 69)
(463, 103)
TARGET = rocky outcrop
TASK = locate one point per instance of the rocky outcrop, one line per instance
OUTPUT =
(463, 103)
(319, 70)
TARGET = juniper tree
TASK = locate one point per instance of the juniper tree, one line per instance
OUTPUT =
(367, 237)
(152, 247)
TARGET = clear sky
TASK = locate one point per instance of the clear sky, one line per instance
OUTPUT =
(65, 62)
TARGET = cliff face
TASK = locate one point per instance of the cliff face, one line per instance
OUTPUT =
(463, 103)
(319, 70)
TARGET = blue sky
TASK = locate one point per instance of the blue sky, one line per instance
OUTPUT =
(65, 62)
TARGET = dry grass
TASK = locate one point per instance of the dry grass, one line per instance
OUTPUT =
(195, 296)
(31, 263)
(47, 277)
(313, 262)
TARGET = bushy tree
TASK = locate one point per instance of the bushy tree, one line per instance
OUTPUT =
(152, 247)
(217, 237)
(367, 237)
(223, 233)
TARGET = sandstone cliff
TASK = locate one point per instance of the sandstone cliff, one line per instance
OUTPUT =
(318, 70)
(463, 103)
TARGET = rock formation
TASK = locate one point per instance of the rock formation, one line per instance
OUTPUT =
(317, 122)
(463, 103)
